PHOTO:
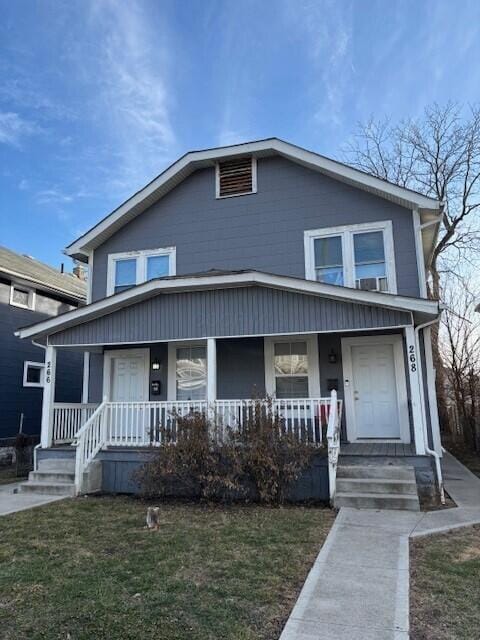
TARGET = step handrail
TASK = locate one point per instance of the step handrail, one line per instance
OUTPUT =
(89, 439)
(333, 442)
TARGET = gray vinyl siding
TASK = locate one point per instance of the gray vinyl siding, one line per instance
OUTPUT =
(227, 312)
(262, 231)
(16, 399)
(240, 368)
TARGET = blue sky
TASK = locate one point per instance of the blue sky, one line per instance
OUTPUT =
(97, 97)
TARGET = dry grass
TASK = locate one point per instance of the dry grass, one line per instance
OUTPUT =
(87, 569)
(445, 586)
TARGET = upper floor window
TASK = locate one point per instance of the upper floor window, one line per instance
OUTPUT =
(359, 256)
(21, 296)
(236, 177)
(125, 270)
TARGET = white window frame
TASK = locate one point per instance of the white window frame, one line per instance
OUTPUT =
(313, 362)
(347, 232)
(36, 365)
(235, 195)
(141, 269)
(172, 367)
(31, 296)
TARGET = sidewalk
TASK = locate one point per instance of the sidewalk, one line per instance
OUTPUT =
(11, 502)
(358, 586)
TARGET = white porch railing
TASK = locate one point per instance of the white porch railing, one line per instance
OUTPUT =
(333, 442)
(142, 424)
(68, 418)
(89, 440)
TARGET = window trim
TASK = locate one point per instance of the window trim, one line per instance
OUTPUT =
(35, 365)
(347, 232)
(314, 390)
(235, 195)
(141, 268)
(31, 296)
(172, 367)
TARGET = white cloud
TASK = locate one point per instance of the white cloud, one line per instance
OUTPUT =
(14, 128)
(53, 196)
(325, 30)
(133, 97)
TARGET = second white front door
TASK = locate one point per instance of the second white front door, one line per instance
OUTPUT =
(375, 389)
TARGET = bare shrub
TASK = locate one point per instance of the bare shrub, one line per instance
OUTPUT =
(257, 460)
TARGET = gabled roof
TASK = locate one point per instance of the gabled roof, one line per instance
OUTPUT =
(221, 280)
(37, 273)
(428, 208)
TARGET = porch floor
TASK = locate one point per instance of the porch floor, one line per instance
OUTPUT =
(396, 449)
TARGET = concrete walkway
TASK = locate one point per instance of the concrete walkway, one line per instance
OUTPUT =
(358, 587)
(11, 502)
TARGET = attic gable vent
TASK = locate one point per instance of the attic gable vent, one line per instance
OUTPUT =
(236, 177)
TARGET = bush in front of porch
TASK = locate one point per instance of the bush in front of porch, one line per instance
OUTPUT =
(258, 461)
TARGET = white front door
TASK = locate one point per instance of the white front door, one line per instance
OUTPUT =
(128, 379)
(375, 389)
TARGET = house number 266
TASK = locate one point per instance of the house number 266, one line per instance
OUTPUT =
(48, 372)
(412, 358)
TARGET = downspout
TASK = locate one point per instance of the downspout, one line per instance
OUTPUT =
(429, 451)
(37, 446)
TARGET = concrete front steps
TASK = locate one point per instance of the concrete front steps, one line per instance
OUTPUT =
(369, 486)
(54, 476)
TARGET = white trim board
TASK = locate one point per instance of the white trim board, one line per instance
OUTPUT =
(249, 278)
(193, 160)
(396, 341)
(91, 346)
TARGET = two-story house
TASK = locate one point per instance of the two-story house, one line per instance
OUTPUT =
(31, 291)
(260, 268)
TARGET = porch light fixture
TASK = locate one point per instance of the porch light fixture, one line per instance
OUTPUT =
(332, 357)
(156, 364)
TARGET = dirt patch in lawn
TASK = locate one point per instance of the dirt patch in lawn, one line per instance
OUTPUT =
(445, 586)
(87, 569)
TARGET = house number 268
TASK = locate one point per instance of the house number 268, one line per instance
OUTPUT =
(48, 372)
(412, 358)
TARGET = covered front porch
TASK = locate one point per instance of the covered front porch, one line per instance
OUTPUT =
(313, 351)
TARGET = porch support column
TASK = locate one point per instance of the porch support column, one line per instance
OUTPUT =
(415, 392)
(211, 371)
(48, 396)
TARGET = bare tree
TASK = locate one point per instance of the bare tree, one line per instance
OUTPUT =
(438, 155)
(460, 351)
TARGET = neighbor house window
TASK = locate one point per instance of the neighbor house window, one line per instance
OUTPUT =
(21, 296)
(125, 270)
(33, 374)
(291, 367)
(191, 373)
(359, 256)
(236, 177)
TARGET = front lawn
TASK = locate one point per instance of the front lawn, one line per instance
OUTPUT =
(88, 569)
(445, 586)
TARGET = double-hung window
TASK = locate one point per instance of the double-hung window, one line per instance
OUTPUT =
(125, 270)
(359, 256)
(291, 367)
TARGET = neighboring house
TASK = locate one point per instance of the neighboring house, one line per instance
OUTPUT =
(30, 292)
(259, 268)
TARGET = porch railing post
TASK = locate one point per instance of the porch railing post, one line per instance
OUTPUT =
(48, 396)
